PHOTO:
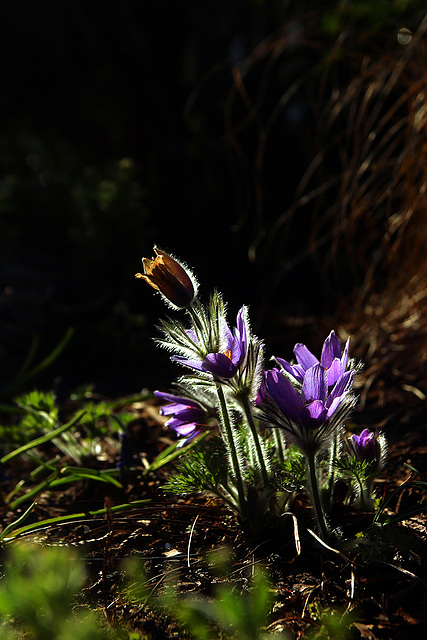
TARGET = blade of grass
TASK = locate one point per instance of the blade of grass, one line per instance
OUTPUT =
(402, 487)
(45, 484)
(53, 481)
(51, 357)
(35, 342)
(42, 439)
(17, 522)
(70, 518)
(170, 453)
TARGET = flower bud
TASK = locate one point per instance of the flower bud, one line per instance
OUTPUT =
(366, 446)
(166, 275)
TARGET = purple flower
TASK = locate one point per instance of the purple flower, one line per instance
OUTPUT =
(365, 446)
(331, 360)
(225, 363)
(313, 405)
(188, 417)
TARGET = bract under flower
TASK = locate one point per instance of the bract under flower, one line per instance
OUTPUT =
(331, 359)
(188, 417)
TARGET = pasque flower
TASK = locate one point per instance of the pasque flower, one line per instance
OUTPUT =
(331, 359)
(365, 446)
(188, 417)
(165, 274)
(313, 405)
(226, 362)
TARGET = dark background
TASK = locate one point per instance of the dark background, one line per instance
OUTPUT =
(183, 124)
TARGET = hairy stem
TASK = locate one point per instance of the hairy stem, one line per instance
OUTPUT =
(230, 444)
(315, 496)
(255, 435)
(279, 445)
(331, 479)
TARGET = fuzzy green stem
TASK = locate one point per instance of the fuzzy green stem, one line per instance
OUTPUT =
(279, 445)
(315, 495)
(366, 493)
(232, 449)
(194, 315)
(331, 479)
(255, 435)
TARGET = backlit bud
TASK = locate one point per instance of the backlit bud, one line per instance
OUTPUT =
(166, 275)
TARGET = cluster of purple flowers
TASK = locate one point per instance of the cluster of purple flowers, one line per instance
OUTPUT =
(306, 402)
(301, 397)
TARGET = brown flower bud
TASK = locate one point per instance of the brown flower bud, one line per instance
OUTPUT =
(166, 275)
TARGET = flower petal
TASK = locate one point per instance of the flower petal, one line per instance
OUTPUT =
(243, 330)
(344, 357)
(314, 413)
(169, 397)
(293, 370)
(170, 409)
(331, 350)
(342, 386)
(236, 351)
(334, 371)
(282, 391)
(315, 385)
(193, 364)
(182, 428)
(228, 336)
(220, 365)
(304, 356)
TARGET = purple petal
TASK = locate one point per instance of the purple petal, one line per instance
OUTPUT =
(333, 405)
(183, 428)
(315, 385)
(344, 357)
(281, 390)
(365, 437)
(243, 330)
(314, 412)
(228, 335)
(169, 397)
(236, 351)
(331, 350)
(299, 372)
(172, 409)
(305, 358)
(342, 386)
(334, 371)
(190, 414)
(294, 370)
(193, 364)
(219, 365)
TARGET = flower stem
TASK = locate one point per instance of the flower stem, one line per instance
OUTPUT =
(315, 495)
(279, 445)
(231, 446)
(365, 501)
(331, 480)
(196, 316)
(255, 435)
